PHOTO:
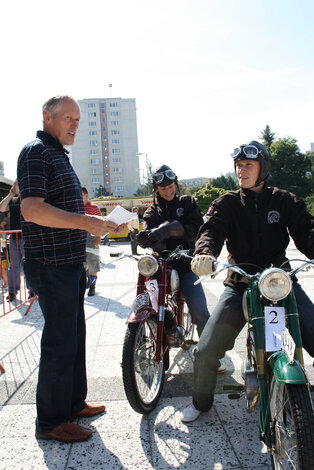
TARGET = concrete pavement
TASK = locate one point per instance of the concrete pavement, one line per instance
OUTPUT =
(225, 438)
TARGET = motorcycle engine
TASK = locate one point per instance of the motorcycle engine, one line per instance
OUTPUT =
(251, 389)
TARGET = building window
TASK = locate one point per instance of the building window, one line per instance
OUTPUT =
(114, 113)
(92, 123)
(113, 105)
(95, 180)
(115, 141)
(94, 161)
(93, 152)
(117, 170)
(106, 165)
(107, 183)
(104, 138)
(118, 188)
(114, 123)
(115, 132)
(92, 132)
(107, 175)
(103, 119)
(104, 129)
(93, 143)
(116, 159)
(91, 105)
(117, 179)
(116, 151)
(95, 171)
(105, 157)
(92, 114)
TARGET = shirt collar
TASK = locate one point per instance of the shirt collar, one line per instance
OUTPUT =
(47, 139)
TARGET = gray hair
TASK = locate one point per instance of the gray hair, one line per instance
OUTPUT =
(53, 105)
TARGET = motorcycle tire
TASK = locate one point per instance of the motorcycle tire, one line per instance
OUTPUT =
(143, 378)
(292, 426)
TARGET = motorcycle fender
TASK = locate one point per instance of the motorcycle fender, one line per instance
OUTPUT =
(285, 372)
(141, 314)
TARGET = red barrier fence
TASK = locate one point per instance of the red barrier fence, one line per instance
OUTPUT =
(14, 291)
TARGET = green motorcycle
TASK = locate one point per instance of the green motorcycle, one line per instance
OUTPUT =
(273, 369)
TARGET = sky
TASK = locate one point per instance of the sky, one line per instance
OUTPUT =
(207, 75)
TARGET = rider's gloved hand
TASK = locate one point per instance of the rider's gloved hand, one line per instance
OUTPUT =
(203, 264)
(143, 239)
(154, 238)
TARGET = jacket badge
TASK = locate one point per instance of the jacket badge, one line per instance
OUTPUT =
(273, 217)
(179, 211)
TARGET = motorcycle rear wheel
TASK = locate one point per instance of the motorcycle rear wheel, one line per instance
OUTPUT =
(292, 425)
(143, 378)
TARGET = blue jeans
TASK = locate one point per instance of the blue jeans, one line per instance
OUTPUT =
(62, 384)
(220, 333)
(16, 264)
(195, 299)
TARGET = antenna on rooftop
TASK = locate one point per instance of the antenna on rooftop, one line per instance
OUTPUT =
(110, 86)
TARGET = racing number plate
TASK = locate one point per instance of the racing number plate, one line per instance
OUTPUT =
(274, 326)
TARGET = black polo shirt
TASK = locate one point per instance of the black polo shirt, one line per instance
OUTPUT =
(44, 171)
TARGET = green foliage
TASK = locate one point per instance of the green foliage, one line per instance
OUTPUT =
(207, 195)
(225, 182)
(268, 137)
(310, 204)
(290, 168)
(101, 191)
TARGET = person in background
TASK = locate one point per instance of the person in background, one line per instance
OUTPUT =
(92, 264)
(54, 226)
(133, 226)
(256, 222)
(12, 203)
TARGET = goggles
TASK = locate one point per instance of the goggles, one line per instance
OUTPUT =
(250, 151)
(159, 177)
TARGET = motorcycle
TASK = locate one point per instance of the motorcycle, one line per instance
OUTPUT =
(273, 369)
(159, 320)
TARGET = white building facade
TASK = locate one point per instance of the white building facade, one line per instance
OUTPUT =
(104, 153)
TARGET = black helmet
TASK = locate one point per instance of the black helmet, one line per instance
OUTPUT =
(254, 151)
(164, 176)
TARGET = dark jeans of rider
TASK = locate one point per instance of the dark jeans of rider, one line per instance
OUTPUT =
(195, 299)
(62, 384)
(219, 335)
(133, 241)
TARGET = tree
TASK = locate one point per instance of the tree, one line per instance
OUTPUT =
(290, 168)
(146, 188)
(206, 195)
(225, 182)
(268, 137)
(101, 191)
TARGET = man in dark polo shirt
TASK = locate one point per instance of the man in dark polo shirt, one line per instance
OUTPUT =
(54, 228)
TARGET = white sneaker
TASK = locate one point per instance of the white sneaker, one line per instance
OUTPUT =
(222, 368)
(189, 414)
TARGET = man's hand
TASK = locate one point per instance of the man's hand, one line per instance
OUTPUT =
(98, 226)
(203, 264)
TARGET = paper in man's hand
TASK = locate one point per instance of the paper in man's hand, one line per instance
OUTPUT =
(119, 215)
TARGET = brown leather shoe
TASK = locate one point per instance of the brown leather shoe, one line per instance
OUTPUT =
(91, 409)
(66, 432)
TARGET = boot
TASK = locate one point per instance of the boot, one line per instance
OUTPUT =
(91, 291)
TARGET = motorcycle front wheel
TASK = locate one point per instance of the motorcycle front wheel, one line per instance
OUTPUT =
(292, 426)
(143, 378)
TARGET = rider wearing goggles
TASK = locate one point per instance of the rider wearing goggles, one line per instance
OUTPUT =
(254, 151)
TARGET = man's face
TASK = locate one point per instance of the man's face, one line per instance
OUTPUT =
(247, 173)
(64, 124)
(167, 192)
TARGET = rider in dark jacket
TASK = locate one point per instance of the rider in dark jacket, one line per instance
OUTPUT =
(255, 222)
(174, 220)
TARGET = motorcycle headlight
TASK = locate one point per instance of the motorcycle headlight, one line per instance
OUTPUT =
(275, 284)
(147, 265)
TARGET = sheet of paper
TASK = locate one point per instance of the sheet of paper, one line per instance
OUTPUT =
(274, 326)
(119, 215)
(153, 290)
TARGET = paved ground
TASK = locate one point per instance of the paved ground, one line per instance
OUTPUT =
(224, 439)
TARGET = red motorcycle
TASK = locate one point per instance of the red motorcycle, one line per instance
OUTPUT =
(159, 320)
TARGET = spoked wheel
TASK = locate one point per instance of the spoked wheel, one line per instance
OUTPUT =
(292, 425)
(143, 378)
